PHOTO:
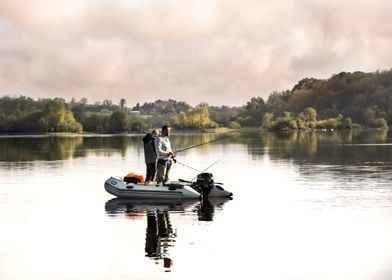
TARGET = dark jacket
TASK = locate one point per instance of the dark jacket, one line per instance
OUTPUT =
(150, 155)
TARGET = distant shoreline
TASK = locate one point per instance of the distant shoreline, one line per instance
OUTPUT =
(216, 130)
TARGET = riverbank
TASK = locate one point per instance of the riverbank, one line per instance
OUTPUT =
(190, 131)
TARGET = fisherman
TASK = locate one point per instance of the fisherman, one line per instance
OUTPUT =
(150, 155)
(165, 155)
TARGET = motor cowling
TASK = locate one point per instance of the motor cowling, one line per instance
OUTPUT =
(205, 182)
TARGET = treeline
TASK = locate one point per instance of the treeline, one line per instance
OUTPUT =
(344, 101)
(23, 114)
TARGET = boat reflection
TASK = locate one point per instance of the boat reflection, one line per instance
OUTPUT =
(160, 234)
(130, 207)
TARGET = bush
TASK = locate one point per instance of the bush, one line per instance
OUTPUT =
(377, 123)
(268, 121)
(234, 125)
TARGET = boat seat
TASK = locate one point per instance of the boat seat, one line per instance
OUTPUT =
(174, 186)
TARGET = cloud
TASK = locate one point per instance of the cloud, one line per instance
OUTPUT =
(221, 52)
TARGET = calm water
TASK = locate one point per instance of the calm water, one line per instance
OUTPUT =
(306, 206)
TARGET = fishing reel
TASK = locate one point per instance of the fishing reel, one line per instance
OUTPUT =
(204, 183)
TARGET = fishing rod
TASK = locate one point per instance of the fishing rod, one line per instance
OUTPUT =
(205, 143)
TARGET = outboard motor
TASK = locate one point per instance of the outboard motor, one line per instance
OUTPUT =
(204, 183)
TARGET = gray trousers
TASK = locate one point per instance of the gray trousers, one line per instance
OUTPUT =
(163, 169)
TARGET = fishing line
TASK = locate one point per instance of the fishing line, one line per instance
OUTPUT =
(183, 164)
(205, 143)
(204, 170)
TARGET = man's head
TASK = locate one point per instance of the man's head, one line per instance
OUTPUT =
(155, 132)
(166, 130)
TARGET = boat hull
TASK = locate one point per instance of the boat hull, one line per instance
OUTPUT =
(119, 188)
(219, 191)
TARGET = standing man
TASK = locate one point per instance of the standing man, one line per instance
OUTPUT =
(150, 155)
(165, 155)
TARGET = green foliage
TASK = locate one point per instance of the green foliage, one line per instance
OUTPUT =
(304, 121)
(224, 115)
(253, 112)
(344, 101)
(119, 121)
(268, 121)
(375, 117)
(197, 117)
(285, 122)
(138, 124)
(56, 117)
(331, 123)
(277, 102)
(309, 114)
(96, 122)
(234, 125)
(364, 98)
(162, 107)
(377, 123)
(347, 123)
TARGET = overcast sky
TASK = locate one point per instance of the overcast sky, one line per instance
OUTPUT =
(220, 52)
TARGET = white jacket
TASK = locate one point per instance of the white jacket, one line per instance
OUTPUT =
(162, 146)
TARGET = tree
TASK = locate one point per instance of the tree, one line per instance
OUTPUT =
(234, 125)
(95, 122)
(107, 102)
(138, 124)
(374, 117)
(285, 122)
(119, 121)
(268, 121)
(84, 100)
(306, 83)
(254, 110)
(122, 103)
(310, 114)
(347, 123)
(57, 118)
(137, 107)
(277, 102)
(198, 117)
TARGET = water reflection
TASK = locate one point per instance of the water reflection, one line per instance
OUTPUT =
(159, 237)
(206, 208)
(343, 147)
(160, 234)
(38, 148)
(309, 198)
(50, 148)
(127, 207)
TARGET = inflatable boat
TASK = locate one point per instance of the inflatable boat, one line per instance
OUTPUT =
(170, 191)
(203, 187)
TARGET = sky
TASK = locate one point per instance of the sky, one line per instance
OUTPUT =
(222, 52)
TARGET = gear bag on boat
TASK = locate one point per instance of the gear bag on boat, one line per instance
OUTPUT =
(134, 178)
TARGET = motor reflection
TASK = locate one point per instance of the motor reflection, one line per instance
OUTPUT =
(207, 206)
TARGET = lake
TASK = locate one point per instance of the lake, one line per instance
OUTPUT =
(305, 206)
